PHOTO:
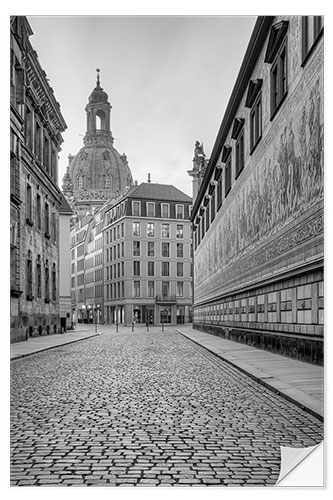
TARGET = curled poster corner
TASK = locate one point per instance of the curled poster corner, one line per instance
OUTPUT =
(302, 466)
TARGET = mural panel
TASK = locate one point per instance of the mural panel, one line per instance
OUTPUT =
(283, 185)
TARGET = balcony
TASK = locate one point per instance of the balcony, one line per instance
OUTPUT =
(166, 299)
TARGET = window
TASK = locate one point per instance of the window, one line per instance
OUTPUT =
(180, 289)
(122, 230)
(47, 281)
(38, 140)
(239, 153)
(312, 27)
(150, 229)
(46, 153)
(165, 289)
(28, 128)
(165, 269)
(212, 206)
(136, 208)
(279, 78)
(165, 230)
(180, 250)
(180, 269)
(136, 248)
(29, 276)
(165, 210)
(179, 211)
(39, 212)
(255, 123)
(180, 231)
(54, 226)
(151, 289)
(150, 209)
(227, 175)
(136, 288)
(276, 55)
(165, 249)
(136, 268)
(38, 278)
(46, 220)
(150, 249)
(136, 229)
(207, 217)
(29, 204)
(151, 268)
(54, 283)
(219, 189)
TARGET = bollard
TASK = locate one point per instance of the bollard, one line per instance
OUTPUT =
(162, 326)
(147, 326)
(116, 327)
(132, 326)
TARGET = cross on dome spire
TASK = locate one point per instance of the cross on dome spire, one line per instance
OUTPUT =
(98, 71)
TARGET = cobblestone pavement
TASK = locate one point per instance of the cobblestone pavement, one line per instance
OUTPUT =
(146, 409)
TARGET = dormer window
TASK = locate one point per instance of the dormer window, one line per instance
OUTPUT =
(238, 136)
(253, 101)
(226, 158)
(312, 28)
(276, 55)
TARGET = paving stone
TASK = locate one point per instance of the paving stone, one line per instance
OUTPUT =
(146, 409)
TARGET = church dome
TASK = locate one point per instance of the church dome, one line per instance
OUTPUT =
(99, 167)
(97, 173)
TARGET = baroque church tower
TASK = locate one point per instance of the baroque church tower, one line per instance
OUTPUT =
(97, 173)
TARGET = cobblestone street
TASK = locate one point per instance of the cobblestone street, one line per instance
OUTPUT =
(146, 409)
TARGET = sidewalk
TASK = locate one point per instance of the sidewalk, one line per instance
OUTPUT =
(299, 382)
(38, 344)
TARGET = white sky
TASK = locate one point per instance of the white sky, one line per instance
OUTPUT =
(168, 78)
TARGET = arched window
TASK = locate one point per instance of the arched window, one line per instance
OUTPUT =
(100, 120)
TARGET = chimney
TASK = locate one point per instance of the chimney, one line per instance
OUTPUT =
(149, 181)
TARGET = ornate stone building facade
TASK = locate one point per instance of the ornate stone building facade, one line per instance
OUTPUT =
(97, 173)
(36, 125)
(258, 217)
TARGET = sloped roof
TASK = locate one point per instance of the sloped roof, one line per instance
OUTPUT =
(64, 208)
(152, 191)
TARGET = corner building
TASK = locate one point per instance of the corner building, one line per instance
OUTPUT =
(148, 256)
(258, 219)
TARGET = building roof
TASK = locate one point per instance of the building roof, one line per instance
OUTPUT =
(258, 37)
(64, 208)
(152, 191)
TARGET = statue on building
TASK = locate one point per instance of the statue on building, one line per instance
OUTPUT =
(199, 156)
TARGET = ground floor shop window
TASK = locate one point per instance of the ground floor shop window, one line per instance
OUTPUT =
(165, 314)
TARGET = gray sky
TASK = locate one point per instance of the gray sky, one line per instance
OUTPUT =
(168, 78)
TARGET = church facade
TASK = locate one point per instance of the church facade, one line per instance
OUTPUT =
(258, 222)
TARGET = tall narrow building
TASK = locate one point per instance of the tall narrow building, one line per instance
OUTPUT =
(97, 173)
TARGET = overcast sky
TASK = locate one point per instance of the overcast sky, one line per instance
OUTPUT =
(168, 78)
